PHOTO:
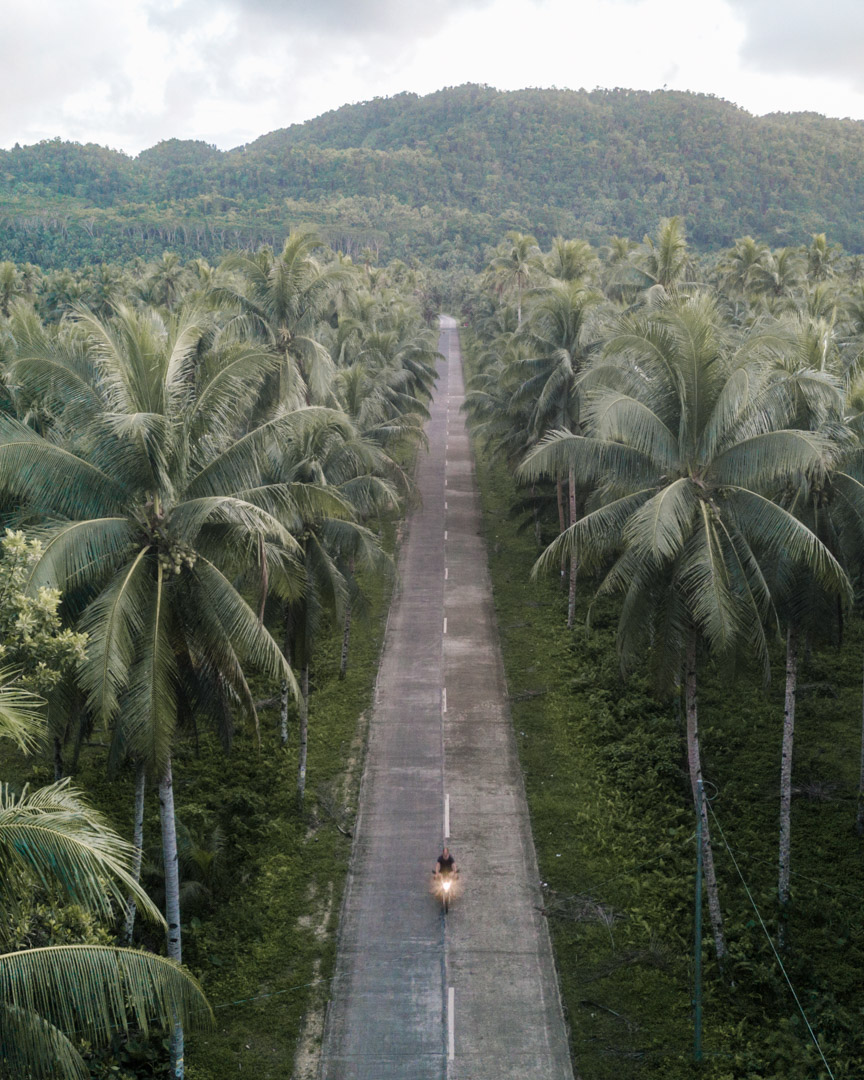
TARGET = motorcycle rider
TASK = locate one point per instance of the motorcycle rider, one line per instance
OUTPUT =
(446, 864)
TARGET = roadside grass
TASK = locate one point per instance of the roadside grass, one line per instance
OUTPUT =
(606, 778)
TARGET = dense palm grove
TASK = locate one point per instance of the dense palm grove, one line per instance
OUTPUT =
(201, 467)
(685, 435)
(196, 468)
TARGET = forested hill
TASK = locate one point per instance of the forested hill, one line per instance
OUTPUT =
(446, 174)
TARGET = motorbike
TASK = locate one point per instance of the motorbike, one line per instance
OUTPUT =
(445, 889)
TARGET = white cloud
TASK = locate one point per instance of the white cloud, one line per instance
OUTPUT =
(229, 70)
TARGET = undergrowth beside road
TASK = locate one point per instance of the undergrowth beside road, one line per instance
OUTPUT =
(262, 881)
(607, 786)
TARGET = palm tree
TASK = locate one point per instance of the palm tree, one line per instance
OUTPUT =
(152, 481)
(655, 270)
(739, 264)
(53, 996)
(687, 436)
(776, 276)
(517, 264)
(280, 301)
(571, 260)
(821, 258)
(11, 286)
(560, 336)
(348, 474)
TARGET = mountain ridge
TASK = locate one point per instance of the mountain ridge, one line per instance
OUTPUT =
(476, 161)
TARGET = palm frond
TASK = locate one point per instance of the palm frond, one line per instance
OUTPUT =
(92, 991)
(51, 834)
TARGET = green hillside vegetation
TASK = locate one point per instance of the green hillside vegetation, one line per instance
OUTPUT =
(441, 177)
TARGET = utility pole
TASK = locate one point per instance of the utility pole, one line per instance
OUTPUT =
(697, 930)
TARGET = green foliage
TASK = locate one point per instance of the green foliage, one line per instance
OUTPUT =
(32, 638)
(442, 177)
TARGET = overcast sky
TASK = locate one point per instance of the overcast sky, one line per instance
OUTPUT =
(127, 73)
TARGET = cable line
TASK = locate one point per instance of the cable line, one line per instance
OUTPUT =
(771, 942)
(276, 993)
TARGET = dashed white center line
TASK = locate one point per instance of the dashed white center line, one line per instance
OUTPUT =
(445, 534)
(451, 1023)
(446, 572)
(444, 699)
(446, 817)
(445, 624)
(445, 504)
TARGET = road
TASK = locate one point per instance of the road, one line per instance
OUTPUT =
(416, 997)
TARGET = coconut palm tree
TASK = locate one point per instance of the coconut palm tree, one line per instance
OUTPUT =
(52, 997)
(517, 264)
(280, 300)
(687, 435)
(152, 486)
(777, 277)
(560, 336)
(349, 473)
(571, 260)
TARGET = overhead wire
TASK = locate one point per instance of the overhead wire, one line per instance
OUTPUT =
(816, 1042)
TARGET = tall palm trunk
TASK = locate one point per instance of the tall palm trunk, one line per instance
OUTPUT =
(562, 525)
(265, 579)
(283, 689)
(59, 769)
(138, 844)
(574, 566)
(172, 900)
(859, 820)
(694, 760)
(786, 762)
(346, 629)
(538, 536)
(304, 731)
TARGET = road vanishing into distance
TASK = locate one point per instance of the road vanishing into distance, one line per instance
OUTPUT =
(415, 996)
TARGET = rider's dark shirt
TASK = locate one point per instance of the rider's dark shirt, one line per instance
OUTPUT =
(445, 864)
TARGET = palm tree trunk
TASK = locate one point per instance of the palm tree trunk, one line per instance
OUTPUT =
(859, 820)
(694, 760)
(346, 639)
(81, 732)
(786, 763)
(304, 732)
(283, 689)
(265, 579)
(346, 629)
(574, 566)
(562, 525)
(172, 900)
(138, 844)
(536, 516)
(59, 771)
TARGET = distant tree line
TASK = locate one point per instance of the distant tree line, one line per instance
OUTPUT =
(443, 176)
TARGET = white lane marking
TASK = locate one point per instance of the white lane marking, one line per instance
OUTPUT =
(446, 572)
(445, 504)
(451, 1023)
(446, 817)
(445, 624)
(445, 534)
(444, 699)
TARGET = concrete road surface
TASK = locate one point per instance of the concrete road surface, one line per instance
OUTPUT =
(418, 997)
